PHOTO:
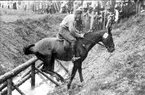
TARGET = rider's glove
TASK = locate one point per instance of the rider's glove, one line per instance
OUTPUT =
(82, 35)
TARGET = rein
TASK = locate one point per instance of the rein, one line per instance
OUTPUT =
(94, 42)
(87, 39)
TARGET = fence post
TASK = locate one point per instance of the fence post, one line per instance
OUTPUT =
(9, 86)
(33, 75)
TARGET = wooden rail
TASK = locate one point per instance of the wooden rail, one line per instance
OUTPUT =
(6, 80)
(17, 70)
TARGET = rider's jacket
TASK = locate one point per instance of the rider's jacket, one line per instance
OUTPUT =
(68, 21)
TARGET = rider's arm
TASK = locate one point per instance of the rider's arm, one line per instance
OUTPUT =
(66, 20)
(63, 23)
(74, 31)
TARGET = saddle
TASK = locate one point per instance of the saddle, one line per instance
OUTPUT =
(66, 44)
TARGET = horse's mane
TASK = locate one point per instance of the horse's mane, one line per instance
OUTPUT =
(95, 33)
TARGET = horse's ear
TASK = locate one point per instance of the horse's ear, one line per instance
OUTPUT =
(109, 29)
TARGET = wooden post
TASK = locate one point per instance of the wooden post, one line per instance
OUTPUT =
(17, 70)
(9, 86)
(2, 86)
(33, 75)
(128, 9)
(18, 84)
(98, 6)
(29, 71)
(24, 78)
(139, 7)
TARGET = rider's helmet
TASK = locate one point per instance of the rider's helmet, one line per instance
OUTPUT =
(78, 11)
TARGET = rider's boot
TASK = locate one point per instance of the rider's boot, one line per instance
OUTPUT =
(74, 58)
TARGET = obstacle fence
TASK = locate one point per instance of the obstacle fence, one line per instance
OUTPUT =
(6, 81)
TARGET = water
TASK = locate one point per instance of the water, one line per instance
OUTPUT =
(42, 84)
(42, 87)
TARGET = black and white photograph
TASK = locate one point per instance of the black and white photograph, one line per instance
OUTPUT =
(72, 47)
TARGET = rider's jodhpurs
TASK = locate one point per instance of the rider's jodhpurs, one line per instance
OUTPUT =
(65, 33)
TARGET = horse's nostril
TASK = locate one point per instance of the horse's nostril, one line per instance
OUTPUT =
(113, 49)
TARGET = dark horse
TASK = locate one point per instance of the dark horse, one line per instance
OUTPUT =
(49, 49)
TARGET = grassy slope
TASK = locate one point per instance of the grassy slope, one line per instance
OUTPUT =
(123, 72)
(119, 73)
(17, 32)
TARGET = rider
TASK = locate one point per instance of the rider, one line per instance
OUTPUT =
(71, 29)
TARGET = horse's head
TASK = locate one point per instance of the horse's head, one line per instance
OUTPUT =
(107, 40)
(95, 36)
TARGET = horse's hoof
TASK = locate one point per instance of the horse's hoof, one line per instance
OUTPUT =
(80, 85)
(42, 69)
(68, 86)
(59, 78)
(67, 79)
(65, 82)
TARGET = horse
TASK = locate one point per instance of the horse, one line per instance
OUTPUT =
(49, 49)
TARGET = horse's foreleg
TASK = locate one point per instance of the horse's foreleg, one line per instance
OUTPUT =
(80, 73)
(72, 76)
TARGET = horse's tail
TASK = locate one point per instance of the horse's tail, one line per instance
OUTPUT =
(27, 50)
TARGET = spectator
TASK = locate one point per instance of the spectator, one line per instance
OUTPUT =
(116, 10)
(76, 5)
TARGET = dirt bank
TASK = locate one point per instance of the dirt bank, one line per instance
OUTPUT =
(18, 30)
(119, 73)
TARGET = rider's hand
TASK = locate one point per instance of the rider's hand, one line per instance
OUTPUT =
(82, 35)
(90, 30)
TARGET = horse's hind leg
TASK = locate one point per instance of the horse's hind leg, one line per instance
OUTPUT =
(51, 63)
(48, 64)
(49, 68)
